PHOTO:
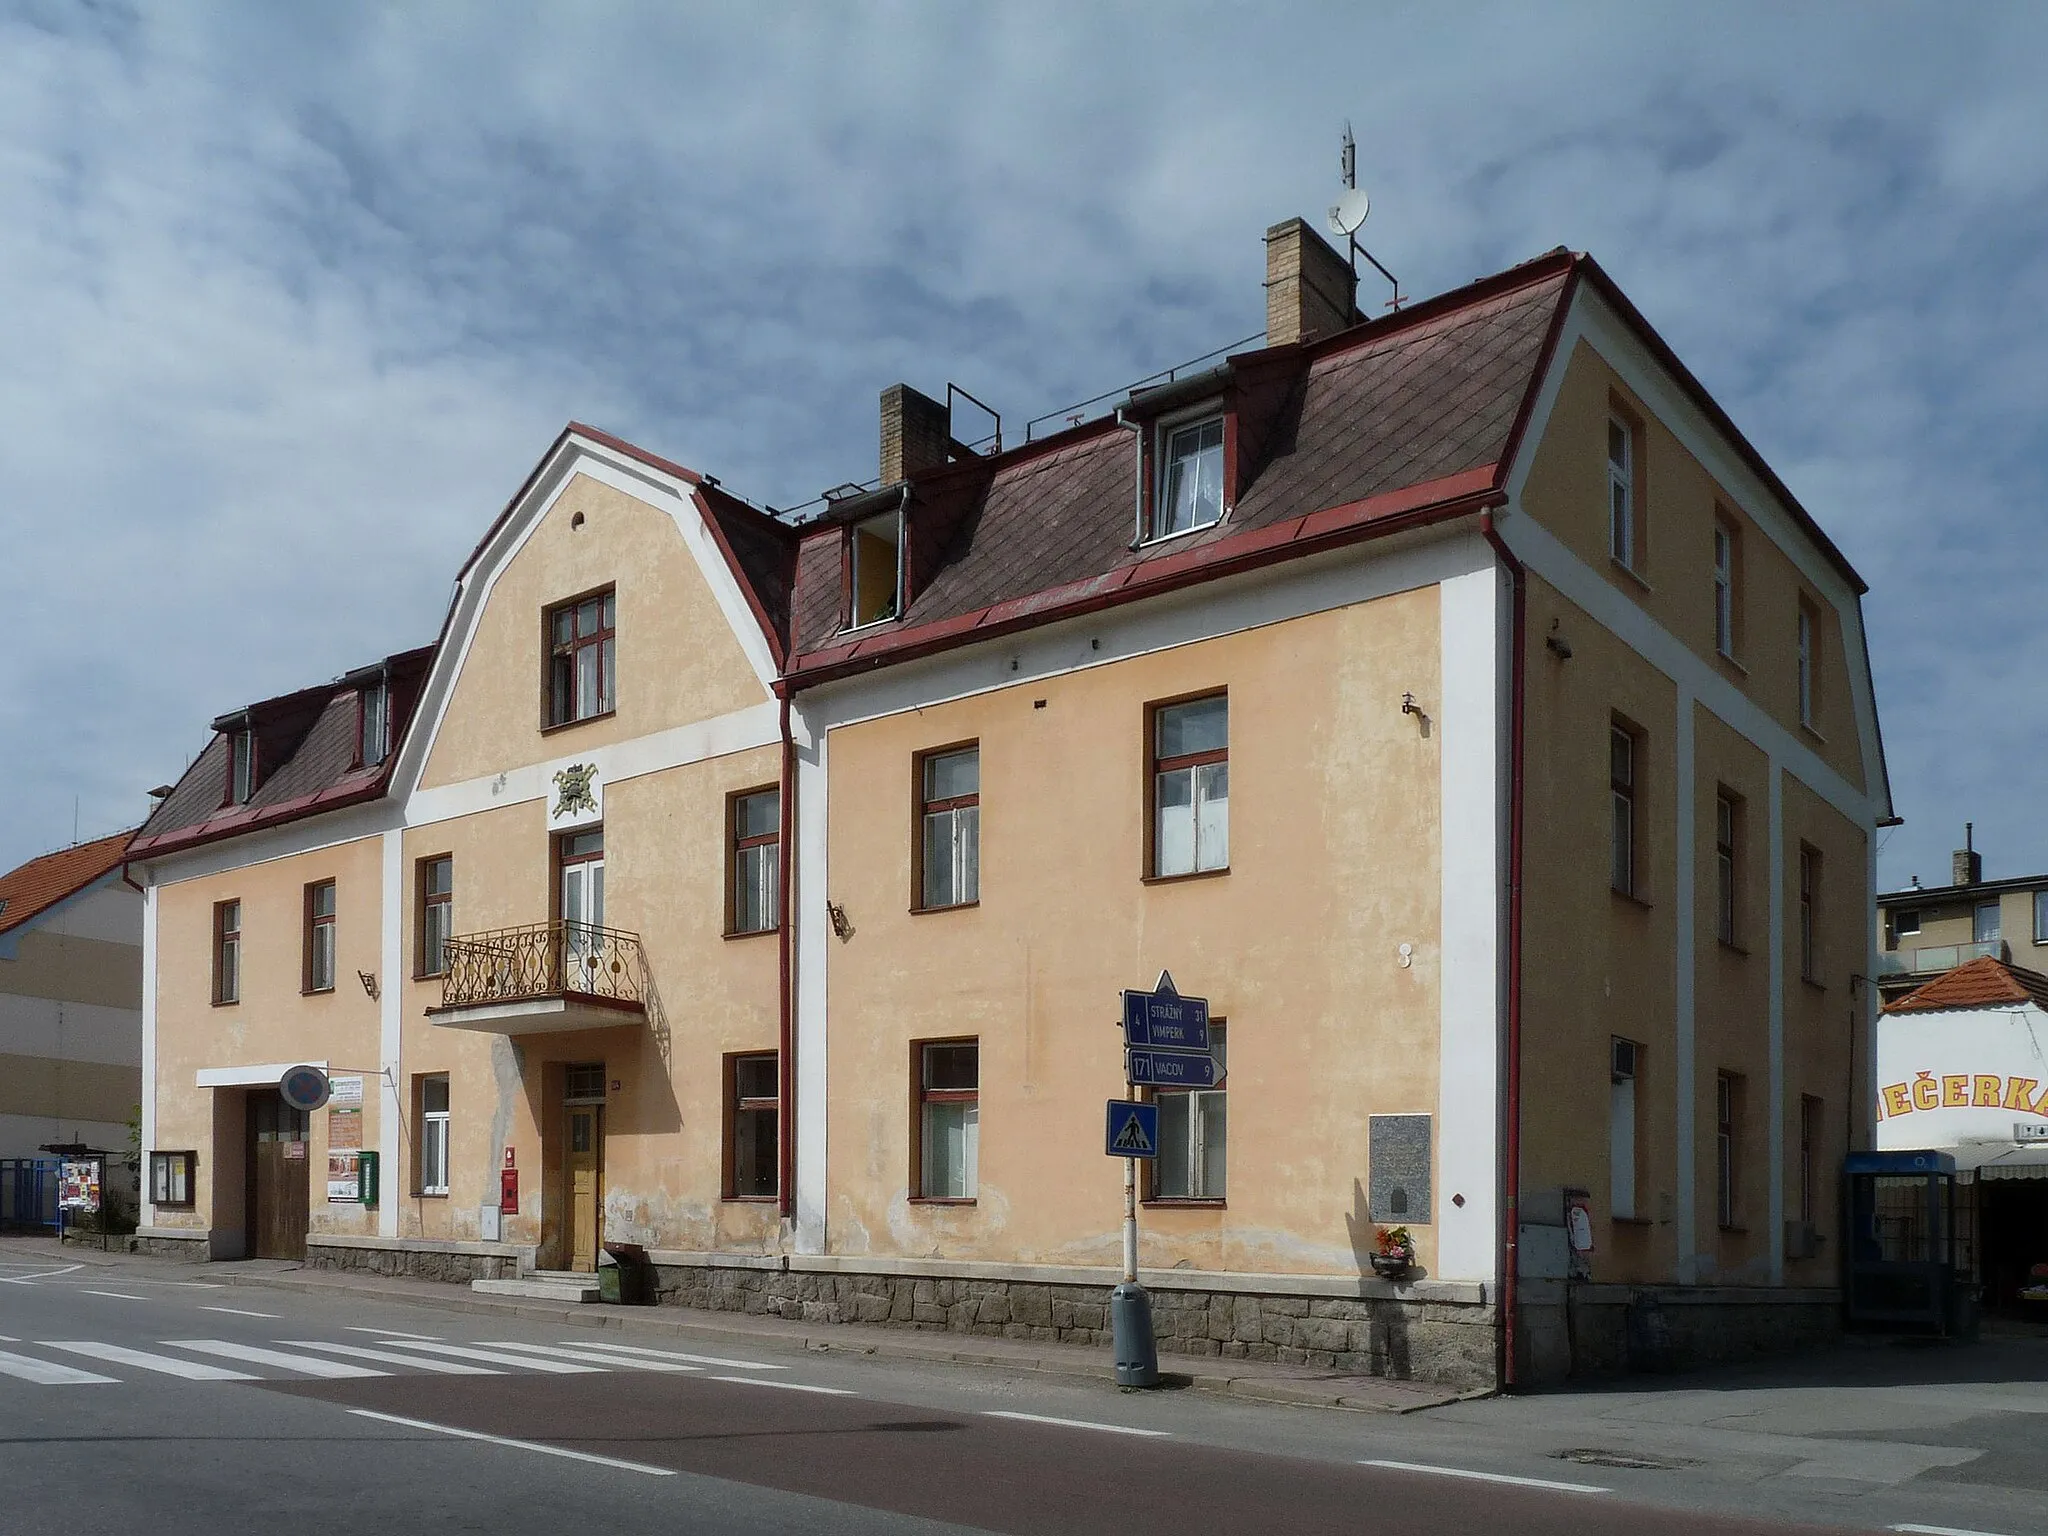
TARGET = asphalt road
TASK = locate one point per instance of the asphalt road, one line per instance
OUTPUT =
(155, 1398)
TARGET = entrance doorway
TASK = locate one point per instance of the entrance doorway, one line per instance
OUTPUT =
(280, 1177)
(2012, 1228)
(583, 1161)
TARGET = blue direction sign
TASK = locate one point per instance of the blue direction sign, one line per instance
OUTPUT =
(1170, 1069)
(1133, 1129)
(1162, 1017)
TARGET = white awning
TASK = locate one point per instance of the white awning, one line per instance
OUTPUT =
(2002, 1159)
(266, 1073)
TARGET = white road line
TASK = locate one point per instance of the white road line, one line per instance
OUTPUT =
(243, 1312)
(499, 1357)
(1487, 1477)
(46, 1373)
(41, 1274)
(418, 1363)
(670, 1354)
(1940, 1530)
(391, 1333)
(1042, 1418)
(788, 1386)
(117, 1295)
(8, 1338)
(590, 1356)
(333, 1370)
(191, 1370)
(517, 1445)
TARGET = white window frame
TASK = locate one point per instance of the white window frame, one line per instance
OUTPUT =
(949, 835)
(434, 1137)
(1724, 589)
(1164, 434)
(1806, 695)
(1728, 895)
(373, 742)
(1202, 770)
(1727, 1130)
(1622, 797)
(1899, 927)
(2041, 917)
(1810, 872)
(1621, 492)
(961, 1184)
(1977, 934)
(1622, 1140)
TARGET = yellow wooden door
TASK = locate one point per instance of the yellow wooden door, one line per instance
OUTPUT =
(583, 1174)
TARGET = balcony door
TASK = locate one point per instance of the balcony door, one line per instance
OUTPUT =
(579, 898)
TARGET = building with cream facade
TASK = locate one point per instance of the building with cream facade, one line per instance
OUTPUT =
(1455, 699)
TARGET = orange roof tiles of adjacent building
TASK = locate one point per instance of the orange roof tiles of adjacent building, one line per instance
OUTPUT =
(1986, 982)
(41, 883)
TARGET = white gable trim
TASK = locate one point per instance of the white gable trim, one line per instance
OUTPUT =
(575, 455)
(1592, 320)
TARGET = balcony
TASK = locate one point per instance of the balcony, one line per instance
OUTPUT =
(543, 977)
(1933, 959)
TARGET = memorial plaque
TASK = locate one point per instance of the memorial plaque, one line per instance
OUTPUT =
(1400, 1172)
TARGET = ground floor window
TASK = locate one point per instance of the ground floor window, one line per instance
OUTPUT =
(433, 1157)
(949, 1119)
(171, 1177)
(752, 1143)
(1193, 1126)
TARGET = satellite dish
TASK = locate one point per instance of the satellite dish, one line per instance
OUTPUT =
(1348, 212)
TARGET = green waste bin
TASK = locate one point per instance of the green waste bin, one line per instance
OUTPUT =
(624, 1281)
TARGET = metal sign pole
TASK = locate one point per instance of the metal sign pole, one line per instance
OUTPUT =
(1130, 1309)
(1130, 1221)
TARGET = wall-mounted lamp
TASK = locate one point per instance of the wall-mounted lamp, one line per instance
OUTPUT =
(1409, 706)
(840, 925)
(369, 981)
(1559, 646)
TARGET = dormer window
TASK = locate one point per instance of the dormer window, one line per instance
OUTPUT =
(241, 766)
(373, 740)
(875, 574)
(1190, 492)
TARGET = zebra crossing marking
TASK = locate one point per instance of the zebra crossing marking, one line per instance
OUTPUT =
(592, 1357)
(168, 1365)
(498, 1357)
(670, 1354)
(333, 1370)
(45, 1373)
(390, 1357)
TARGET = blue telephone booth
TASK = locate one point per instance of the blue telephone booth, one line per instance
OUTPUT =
(1901, 1249)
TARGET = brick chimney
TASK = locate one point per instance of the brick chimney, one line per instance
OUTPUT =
(1967, 866)
(916, 433)
(1309, 287)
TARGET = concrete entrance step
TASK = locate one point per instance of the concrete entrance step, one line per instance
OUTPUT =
(546, 1284)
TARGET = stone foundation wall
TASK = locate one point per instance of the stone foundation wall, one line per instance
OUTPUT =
(186, 1250)
(455, 1266)
(1446, 1342)
(1609, 1330)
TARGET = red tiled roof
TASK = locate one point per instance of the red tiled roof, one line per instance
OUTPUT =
(41, 883)
(1986, 982)
(305, 759)
(1334, 440)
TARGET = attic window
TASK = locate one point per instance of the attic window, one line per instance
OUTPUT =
(373, 738)
(241, 766)
(875, 573)
(1190, 477)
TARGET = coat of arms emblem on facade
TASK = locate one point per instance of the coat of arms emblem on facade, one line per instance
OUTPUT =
(573, 784)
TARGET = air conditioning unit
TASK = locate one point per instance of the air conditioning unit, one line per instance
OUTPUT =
(1622, 1069)
(1802, 1240)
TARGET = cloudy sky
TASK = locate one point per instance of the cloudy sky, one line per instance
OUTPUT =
(292, 297)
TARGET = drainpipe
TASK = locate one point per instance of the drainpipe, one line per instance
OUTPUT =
(1511, 1165)
(785, 879)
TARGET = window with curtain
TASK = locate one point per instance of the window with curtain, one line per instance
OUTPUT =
(949, 818)
(1191, 786)
(949, 1119)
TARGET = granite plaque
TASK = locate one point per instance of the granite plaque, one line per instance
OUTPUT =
(1400, 1169)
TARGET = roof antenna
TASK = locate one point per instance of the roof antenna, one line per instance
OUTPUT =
(1348, 213)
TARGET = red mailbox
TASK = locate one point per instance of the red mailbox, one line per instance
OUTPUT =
(508, 1191)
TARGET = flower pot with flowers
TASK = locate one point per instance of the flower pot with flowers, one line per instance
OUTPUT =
(1395, 1255)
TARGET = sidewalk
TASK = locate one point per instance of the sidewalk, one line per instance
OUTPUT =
(1256, 1380)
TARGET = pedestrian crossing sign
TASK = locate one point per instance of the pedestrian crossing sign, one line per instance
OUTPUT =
(1132, 1130)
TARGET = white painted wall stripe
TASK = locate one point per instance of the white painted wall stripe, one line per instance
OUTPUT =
(391, 1034)
(1686, 969)
(1474, 617)
(1776, 1091)
(149, 959)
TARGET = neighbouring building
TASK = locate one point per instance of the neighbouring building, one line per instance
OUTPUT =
(1455, 699)
(1962, 1069)
(71, 981)
(1923, 931)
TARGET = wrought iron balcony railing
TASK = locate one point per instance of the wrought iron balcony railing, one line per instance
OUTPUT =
(542, 960)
